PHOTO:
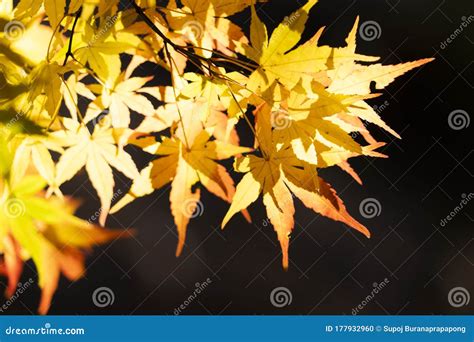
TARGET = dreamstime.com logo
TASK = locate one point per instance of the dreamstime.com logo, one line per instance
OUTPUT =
(13, 120)
(46, 330)
(280, 119)
(459, 297)
(377, 288)
(192, 208)
(14, 30)
(103, 119)
(290, 20)
(378, 109)
(281, 297)
(193, 30)
(109, 23)
(14, 208)
(370, 31)
(3, 81)
(97, 214)
(459, 119)
(21, 288)
(370, 208)
(464, 202)
(103, 297)
(466, 21)
(200, 287)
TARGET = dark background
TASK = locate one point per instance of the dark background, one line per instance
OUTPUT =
(332, 268)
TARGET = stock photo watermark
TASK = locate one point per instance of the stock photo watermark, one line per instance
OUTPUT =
(370, 30)
(109, 22)
(21, 288)
(377, 288)
(14, 208)
(103, 297)
(193, 30)
(459, 297)
(379, 109)
(459, 119)
(192, 208)
(14, 30)
(47, 329)
(281, 297)
(199, 289)
(466, 198)
(370, 208)
(290, 20)
(97, 214)
(280, 119)
(466, 21)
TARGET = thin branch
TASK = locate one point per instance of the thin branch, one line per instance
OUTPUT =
(185, 50)
(69, 48)
(151, 24)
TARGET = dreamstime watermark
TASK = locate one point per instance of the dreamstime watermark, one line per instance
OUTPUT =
(21, 288)
(103, 119)
(109, 22)
(370, 31)
(370, 208)
(459, 119)
(355, 134)
(3, 81)
(46, 330)
(466, 198)
(14, 30)
(458, 297)
(97, 214)
(14, 120)
(193, 30)
(192, 208)
(280, 119)
(281, 297)
(290, 20)
(200, 287)
(466, 21)
(377, 287)
(103, 297)
(379, 109)
(14, 208)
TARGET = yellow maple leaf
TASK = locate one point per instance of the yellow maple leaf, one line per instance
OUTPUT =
(274, 58)
(46, 231)
(42, 229)
(100, 50)
(119, 96)
(205, 24)
(186, 159)
(97, 152)
(277, 175)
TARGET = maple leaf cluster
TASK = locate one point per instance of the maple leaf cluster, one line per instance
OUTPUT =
(70, 95)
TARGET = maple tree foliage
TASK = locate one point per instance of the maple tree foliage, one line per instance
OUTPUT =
(68, 93)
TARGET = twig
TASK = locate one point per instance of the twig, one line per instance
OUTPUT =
(184, 50)
(69, 48)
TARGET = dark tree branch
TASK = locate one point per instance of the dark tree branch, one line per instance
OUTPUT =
(69, 48)
(207, 63)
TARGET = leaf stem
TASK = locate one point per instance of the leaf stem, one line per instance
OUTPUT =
(247, 120)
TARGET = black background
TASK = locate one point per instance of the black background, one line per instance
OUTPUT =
(332, 268)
